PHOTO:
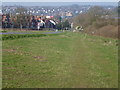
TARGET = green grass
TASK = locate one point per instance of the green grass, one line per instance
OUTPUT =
(69, 60)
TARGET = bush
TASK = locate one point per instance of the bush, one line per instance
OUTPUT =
(63, 25)
(99, 24)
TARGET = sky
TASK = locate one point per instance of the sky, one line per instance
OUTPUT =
(59, 0)
(59, 3)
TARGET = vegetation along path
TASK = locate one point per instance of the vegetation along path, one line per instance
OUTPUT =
(69, 60)
(30, 32)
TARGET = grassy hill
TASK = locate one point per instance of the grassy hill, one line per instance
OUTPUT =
(69, 60)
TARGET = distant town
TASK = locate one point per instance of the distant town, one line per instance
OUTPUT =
(53, 16)
(63, 11)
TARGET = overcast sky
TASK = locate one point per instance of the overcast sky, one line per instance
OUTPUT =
(59, 0)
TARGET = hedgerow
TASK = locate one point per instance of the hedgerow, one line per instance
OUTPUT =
(17, 36)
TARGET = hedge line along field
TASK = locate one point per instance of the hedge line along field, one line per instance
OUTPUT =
(23, 34)
(68, 60)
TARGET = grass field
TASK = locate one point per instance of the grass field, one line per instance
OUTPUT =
(69, 60)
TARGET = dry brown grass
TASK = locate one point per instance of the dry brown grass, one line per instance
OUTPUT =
(106, 31)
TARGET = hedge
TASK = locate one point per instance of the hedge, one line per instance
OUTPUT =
(16, 36)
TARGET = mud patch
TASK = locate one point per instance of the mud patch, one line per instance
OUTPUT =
(11, 68)
(64, 36)
(16, 51)
(39, 58)
(10, 50)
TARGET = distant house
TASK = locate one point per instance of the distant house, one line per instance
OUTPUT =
(69, 14)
